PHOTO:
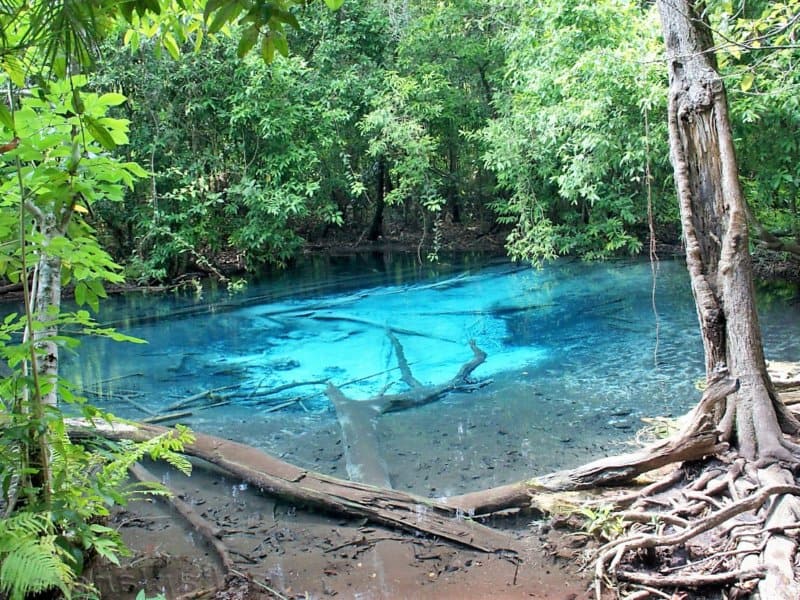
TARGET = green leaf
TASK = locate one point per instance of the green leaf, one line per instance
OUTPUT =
(248, 40)
(80, 293)
(267, 49)
(6, 118)
(112, 99)
(211, 6)
(226, 14)
(281, 45)
(15, 69)
(171, 45)
(99, 133)
(287, 17)
(334, 4)
(747, 81)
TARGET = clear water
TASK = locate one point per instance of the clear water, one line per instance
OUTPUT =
(576, 357)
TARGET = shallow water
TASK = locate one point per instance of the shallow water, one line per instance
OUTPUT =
(576, 356)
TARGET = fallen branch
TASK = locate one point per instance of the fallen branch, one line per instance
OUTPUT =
(381, 326)
(199, 396)
(691, 581)
(388, 507)
(210, 533)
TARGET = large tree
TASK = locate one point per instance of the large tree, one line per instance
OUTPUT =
(713, 218)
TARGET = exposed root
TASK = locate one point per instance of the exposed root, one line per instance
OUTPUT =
(722, 515)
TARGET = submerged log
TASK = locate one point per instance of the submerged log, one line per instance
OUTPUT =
(388, 507)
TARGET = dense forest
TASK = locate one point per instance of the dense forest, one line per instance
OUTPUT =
(541, 124)
(144, 140)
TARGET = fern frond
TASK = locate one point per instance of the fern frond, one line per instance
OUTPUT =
(33, 565)
(22, 525)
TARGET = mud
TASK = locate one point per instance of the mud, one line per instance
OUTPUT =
(282, 551)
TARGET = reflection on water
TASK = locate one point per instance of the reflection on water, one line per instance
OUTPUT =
(574, 356)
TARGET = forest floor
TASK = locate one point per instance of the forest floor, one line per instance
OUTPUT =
(283, 552)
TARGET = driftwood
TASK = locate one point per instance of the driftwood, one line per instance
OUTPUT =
(209, 532)
(358, 418)
(695, 441)
(418, 394)
(189, 400)
(388, 507)
(374, 324)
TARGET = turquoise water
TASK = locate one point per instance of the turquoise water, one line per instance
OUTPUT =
(576, 357)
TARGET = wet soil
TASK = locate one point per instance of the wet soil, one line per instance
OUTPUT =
(282, 551)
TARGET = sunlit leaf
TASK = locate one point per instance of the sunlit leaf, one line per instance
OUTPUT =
(171, 45)
(112, 99)
(6, 118)
(747, 81)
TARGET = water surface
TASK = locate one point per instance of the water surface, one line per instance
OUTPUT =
(576, 358)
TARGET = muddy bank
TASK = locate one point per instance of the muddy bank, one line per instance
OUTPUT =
(284, 551)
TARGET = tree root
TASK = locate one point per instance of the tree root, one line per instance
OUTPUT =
(690, 581)
(612, 554)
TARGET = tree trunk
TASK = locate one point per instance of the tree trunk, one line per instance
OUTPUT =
(47, 304)
(714, 224)
(271, 475)
(376, 227)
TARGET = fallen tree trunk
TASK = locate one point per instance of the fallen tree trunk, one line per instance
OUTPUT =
(696, 440)
(273, 476)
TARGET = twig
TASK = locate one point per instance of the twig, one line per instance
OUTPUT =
(277, 407)
(264, 586)
(195, 397)
(168, 417)
(692, 581)
(202, 526)
(117, 378)
(286, 386)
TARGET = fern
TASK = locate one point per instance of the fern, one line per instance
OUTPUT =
(31, 560)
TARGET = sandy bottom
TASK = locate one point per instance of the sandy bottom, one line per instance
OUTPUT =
(300, 554)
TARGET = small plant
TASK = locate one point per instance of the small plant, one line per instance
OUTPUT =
(602, 522)
(143, 596)
(236, 286)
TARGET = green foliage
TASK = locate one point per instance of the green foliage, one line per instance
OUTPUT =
(55, 492)
(64, 170)
(31, 560)
(757, 57)
(569, 145)
(602, 522)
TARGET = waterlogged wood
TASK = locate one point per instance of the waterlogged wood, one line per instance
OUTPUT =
(209, 532)
(189, 400)
(388, 507)
(695, 441)
(374, 324)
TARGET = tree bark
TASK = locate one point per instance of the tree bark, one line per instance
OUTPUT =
(714, 222)
(270, 475)
(713, 217)
(376, 226)
(47, 304)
